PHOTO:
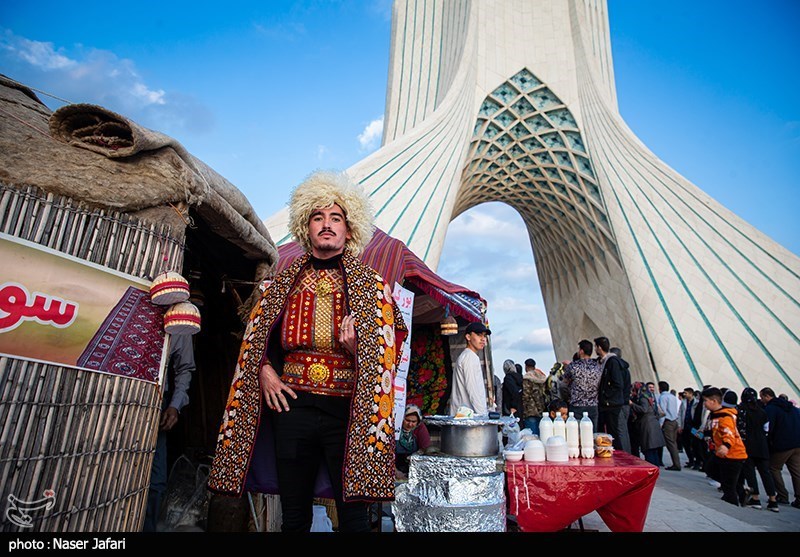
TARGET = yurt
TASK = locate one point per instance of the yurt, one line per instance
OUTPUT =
(95, 209)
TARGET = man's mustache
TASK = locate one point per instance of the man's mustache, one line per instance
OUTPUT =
(324, 230)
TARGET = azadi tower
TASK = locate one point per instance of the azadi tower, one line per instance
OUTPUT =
(514, 101)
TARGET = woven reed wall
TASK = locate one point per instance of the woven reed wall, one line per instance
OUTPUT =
(109, 238)
(88, 436)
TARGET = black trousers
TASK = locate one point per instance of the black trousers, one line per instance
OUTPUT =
(749, 474)
(306, 437)
(689, 447)
(614, 421)
(729, 471)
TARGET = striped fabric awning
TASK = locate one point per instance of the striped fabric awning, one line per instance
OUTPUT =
(397, 263)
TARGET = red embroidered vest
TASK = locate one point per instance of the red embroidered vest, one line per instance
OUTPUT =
(315, 361)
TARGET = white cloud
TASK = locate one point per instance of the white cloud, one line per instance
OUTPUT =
(371, 136)
(536, 339)
(87, 75)
(494, 223)
(36, 53)
(322, 151)
(148, 95)
(518, 305)
(525, 271)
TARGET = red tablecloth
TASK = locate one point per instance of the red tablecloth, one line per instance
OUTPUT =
(549, 496)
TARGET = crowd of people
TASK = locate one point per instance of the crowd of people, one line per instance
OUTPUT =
(734, 440)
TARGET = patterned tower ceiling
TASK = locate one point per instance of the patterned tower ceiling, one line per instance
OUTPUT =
(527, 151)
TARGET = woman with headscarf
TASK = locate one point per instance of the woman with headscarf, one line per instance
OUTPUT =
(651, 439)
(754, 418)
(512, 390)
(414, 436)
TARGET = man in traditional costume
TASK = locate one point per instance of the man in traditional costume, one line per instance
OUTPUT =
(320, 351)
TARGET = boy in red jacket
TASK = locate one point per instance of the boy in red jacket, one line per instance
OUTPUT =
(728, 447)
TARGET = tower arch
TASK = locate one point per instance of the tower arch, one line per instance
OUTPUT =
(514, 101)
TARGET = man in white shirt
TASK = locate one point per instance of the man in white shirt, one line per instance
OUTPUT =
(669, 426)
(469, 388)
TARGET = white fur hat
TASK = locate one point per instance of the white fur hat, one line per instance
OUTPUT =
(323, 189)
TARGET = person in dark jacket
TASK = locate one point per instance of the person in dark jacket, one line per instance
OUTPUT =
(512, 390)
(784, 443)
(690, 420)
(651, 438)
(754, 418)
(613, 395)
(633, 426)
(701, 417)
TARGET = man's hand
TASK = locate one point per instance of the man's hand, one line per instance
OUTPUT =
(347, 333)
(722, 450)
(274, 390)
(169, 418)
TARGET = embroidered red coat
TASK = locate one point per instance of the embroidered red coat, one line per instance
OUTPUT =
(368, 472)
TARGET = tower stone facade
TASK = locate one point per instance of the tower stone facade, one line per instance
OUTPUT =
(514, 101)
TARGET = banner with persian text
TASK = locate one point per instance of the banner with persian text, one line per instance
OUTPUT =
(404, 299)
(60, 309)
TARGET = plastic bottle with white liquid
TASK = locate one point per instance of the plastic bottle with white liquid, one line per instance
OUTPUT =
(587, 436)
(573, 437)
(545, 428)
(559, 426)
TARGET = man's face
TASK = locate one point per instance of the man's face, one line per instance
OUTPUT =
(476, 341)
(328, 232)
(651, 387)
(688, 395)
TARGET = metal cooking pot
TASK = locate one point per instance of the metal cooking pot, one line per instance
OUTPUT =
(474, 437)
(470, 440)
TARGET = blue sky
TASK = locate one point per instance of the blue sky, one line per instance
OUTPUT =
(266, 92)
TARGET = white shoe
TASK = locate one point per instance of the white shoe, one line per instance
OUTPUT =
(714, 483)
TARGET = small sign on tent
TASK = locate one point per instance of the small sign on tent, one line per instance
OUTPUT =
(404, 299)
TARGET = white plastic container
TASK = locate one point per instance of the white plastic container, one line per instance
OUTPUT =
(587, 436)
(545, 428)
(556, 449)
(534, 451)
(573, 437)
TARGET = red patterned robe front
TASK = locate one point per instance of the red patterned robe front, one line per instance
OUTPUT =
(368, 472)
